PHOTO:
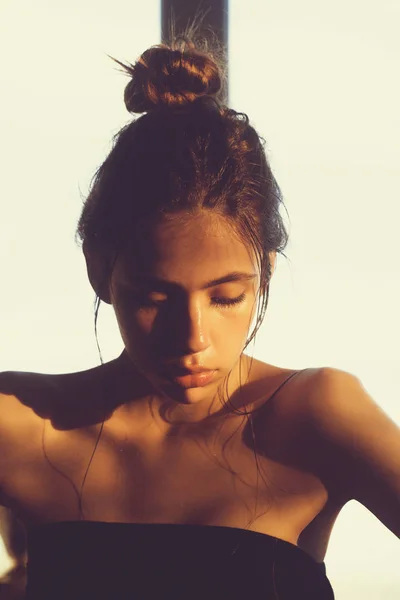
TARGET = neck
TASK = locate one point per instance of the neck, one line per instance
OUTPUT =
(142, 400)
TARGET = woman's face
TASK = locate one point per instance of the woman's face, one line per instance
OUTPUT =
(171, 310)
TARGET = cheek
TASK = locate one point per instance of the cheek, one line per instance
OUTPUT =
(150, 329)
(134, 325)
(136, 340)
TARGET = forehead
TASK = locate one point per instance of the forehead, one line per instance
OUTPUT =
(198, 249)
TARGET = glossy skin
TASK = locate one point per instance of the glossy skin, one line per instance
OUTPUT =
(161, 431)
(305, 432)
(179, 321)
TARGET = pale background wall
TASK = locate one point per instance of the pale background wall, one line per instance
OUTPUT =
(320, 83)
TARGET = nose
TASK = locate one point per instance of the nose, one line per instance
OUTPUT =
(191, 329)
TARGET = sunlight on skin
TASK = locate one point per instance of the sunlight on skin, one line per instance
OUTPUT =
(179, 321)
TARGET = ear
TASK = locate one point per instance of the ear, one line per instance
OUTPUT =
(96, 272)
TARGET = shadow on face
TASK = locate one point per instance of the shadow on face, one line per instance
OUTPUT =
(185, 294)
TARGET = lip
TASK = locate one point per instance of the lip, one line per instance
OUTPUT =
(192, 380)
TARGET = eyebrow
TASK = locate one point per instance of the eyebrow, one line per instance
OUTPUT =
(233, 276)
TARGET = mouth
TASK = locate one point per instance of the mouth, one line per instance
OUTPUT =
(190, 379)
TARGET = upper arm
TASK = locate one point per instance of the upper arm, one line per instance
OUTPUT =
(10, 409)
(4, 435)
(357, 444)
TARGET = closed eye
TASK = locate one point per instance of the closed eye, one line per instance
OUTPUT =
(228, 302)
(223, 303)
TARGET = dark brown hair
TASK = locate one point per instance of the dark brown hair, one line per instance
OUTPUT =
(187, 154)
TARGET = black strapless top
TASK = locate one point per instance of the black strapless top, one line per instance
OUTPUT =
(93, 560)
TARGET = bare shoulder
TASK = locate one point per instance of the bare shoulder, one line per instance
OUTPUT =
(25, 393)
(325, 412)
(11, 421)
(307, 388)
(12, 404)
(359, 444)
(298, 387)
(283, 412)
(26, 399)
(309, 394)
(299, 401)
(59, 398)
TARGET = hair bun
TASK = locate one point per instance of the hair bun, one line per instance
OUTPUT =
(163, 76)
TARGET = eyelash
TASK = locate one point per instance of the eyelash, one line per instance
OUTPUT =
(229, 303)
(223, 303)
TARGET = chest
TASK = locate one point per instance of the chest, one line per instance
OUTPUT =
(239, 475)
(215, 479)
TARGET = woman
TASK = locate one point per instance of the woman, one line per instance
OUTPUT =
(183, 468)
